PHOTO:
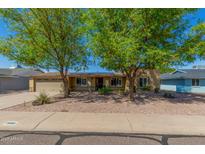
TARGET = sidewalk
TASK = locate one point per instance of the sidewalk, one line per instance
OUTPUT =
(9, 100)
(103, 122)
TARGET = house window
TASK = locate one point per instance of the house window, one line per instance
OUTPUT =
(143, 82)
(116, 82)
(81, 81)
(195, 82)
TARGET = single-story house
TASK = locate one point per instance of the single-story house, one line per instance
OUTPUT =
(184, 80)
(16, 78)
(93, 81)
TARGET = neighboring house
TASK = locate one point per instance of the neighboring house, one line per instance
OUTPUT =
(93, 81)
(184, 80)
(16, 78)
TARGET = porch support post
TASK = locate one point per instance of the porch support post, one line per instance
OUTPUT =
(106, 80)
(89, 84)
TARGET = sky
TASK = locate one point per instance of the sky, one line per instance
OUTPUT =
(6, 63)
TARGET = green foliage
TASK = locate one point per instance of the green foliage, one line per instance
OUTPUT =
(128, 40)
(166, 70)
(124, 39)
(46, 38)
(195, 46)
(157, 90)
(105, 91)
(146, 88)
(43, 98)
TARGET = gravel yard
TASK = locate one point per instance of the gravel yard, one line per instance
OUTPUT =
(146, 102)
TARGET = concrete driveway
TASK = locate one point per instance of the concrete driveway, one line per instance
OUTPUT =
(9, 100)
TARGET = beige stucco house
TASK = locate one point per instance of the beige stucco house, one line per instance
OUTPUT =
(93, 81)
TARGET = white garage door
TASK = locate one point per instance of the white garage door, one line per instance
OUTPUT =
(47, 85)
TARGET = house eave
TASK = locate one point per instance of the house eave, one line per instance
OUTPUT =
(181, 78)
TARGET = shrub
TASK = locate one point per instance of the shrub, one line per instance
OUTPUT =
(105, 91)
(146, 88)
(169, 95)
(156, 90)
(43, 98)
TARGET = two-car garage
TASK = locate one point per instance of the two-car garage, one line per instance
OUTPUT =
(41, 85)
(50, 81)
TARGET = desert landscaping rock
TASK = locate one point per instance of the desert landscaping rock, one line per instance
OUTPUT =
(146, 103)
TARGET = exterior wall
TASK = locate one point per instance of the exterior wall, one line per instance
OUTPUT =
(32, 85)
(120, 88)
(154, 78)
(194, 89)
(52, 84)
(183, 86)
(91, 84)
(7, 84)
(200, 89)
(172, 85)
(152, 75)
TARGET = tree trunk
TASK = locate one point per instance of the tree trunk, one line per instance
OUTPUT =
(66, 90)
(131, 88)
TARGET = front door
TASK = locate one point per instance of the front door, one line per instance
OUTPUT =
(99, 83)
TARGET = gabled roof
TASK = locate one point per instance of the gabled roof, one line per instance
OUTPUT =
(19, 72)
(185, 74)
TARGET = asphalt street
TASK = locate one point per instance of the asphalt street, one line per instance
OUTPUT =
(56, 138)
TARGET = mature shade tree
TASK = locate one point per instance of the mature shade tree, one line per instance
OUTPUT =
(46, 38)
(128, 40)
(197, 47)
